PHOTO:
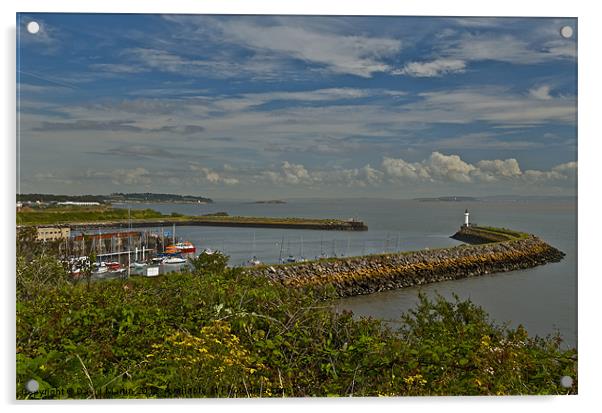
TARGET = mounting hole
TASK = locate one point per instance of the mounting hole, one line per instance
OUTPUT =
(32, 386)
(566, 32)
(33, 27)
(566, 382)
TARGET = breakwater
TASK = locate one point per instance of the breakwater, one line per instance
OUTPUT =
(490, 250)
(245, 222)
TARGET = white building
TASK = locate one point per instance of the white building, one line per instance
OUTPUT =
(78, 203)
(52, 233)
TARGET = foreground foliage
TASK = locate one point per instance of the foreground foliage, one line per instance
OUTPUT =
(219, 333)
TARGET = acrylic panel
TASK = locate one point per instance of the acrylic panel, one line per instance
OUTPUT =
(233, 206)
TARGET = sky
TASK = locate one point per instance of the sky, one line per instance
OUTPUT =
(263, 107)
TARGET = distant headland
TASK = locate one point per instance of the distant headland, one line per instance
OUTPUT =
(448, 199)
(270, 201)
(116, 197)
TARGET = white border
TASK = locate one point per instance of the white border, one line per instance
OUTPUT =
(589, 150)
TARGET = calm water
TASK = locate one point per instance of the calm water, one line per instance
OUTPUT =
(543, 299)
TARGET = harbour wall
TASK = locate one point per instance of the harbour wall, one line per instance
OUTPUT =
(369, 274)
(328, 225)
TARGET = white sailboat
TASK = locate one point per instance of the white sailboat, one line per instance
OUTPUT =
(253, 261)
(174, 260)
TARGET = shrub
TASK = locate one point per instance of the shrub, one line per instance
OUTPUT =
(205, 263)
(230, 334)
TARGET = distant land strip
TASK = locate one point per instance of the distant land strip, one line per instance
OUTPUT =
(122, 218)
(249, 222)
(137, 197)
(493, 250)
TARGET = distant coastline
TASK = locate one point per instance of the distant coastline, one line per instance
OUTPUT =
(448, 199)
(118, 197)
(270, 201)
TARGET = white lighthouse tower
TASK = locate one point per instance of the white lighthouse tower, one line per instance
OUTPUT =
(466, 221)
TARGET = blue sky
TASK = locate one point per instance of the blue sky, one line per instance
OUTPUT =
(286, 106)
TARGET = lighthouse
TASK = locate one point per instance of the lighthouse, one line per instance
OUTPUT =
(466, 221)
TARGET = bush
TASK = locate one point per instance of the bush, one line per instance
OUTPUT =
(205, 264)
(227, 334)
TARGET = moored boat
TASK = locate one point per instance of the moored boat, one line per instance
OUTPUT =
(185, 247)
(113, 266)
(100, 268)
(138, 264)
(253, 262)
(174, 260)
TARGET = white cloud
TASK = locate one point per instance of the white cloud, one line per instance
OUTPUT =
(365, 176)
(490, 171)
(508, 167)
(491, 104)
(117, 68)
(296, 174)
(434, 68)
(541, 92)
(356, 55)
(29, 88)
(505, 48)
(448, 167)
(289, 173)
(204, 175)
(437, 167)
(563, 172)
(399, 168)
(451, 168)
(135, 176)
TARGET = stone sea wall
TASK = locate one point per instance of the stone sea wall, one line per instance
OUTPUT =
(333, 225)
(368, 274)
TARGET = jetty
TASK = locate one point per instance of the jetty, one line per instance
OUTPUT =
(486, 250)
(227, 221)
(84, 218)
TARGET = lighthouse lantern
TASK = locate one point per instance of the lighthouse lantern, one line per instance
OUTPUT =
(466, 221)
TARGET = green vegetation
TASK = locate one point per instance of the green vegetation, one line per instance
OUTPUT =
(151, 197)
(68, 214)
(498, 234)
(107, 214)
(60, 198)
(115, 197)
(216, 332)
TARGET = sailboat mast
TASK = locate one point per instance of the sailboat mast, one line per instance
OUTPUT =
(130, 241)
(321, 245)
(281, 246)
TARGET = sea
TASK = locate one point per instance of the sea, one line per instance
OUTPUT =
(542, 299)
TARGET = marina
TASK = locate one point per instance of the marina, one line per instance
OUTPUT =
(395, 226)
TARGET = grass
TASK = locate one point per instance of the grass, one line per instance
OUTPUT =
(55, 216)
(58, 216)
(497, 232)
